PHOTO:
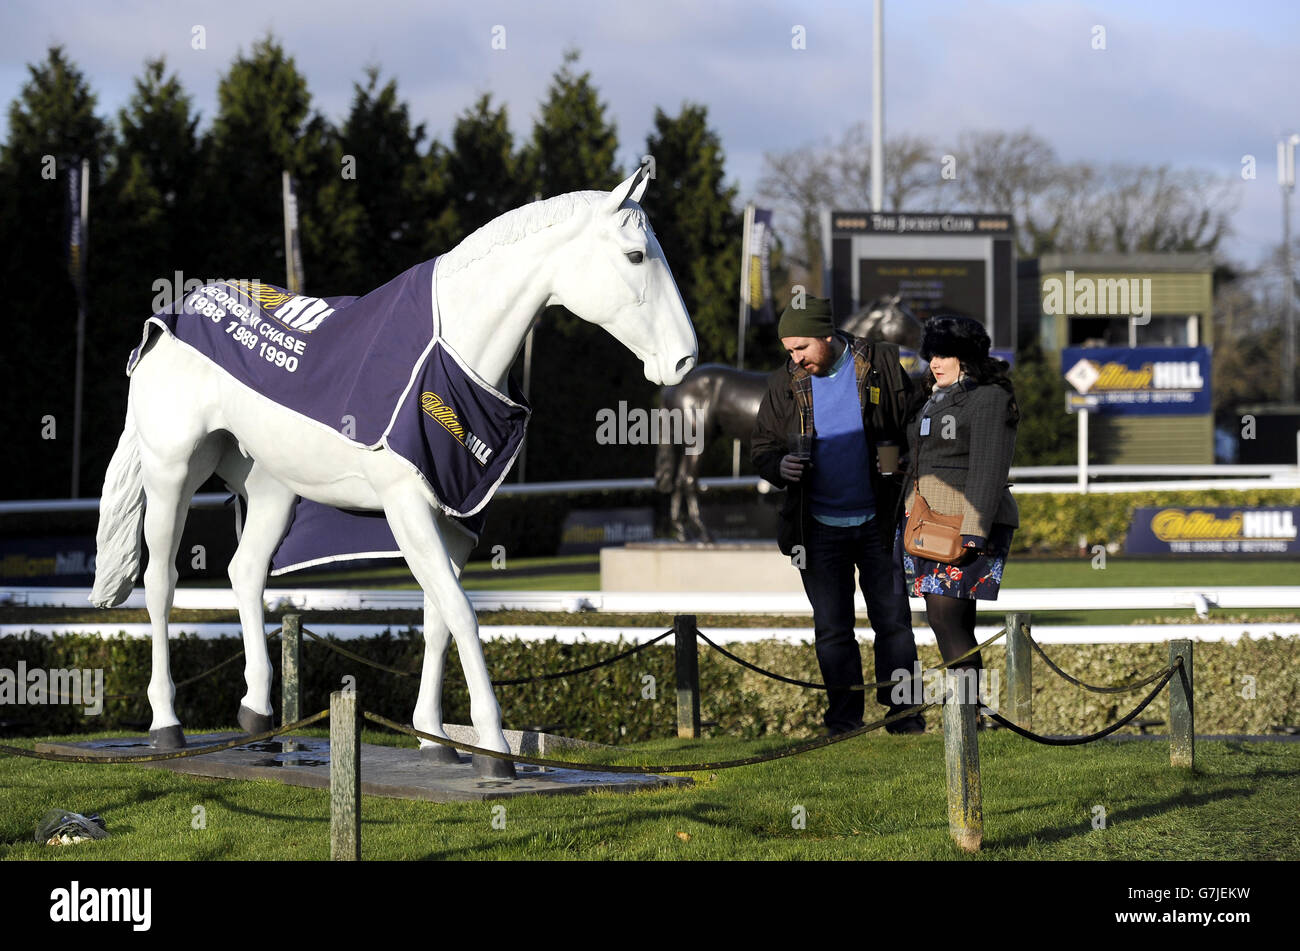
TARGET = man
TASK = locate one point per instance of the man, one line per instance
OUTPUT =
(840, 512)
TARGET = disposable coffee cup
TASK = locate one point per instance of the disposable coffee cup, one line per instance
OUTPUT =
(887, 454)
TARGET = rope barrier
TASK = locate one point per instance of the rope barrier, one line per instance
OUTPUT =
(816, 686)
(183, 683)
(158, 757)
(795, 750)
(1079, 683)
(1166, 675)
(357, 657)
(582, 670)
(496, 683)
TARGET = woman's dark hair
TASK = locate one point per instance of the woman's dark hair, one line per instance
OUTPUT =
(948, 335)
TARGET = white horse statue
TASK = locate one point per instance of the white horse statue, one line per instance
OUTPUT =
(592, 252)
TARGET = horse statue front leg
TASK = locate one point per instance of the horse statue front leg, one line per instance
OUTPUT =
(411, 519)
(691, 482)
(437, 638)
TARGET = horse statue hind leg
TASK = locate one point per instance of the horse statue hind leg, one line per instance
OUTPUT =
(163, 454)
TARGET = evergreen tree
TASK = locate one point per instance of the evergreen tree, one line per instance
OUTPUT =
(264, 125)
(573, 145)
(142, 232)
(485, 176)
(373, 208)
(52, 123)
(694, 217)
(578, 369)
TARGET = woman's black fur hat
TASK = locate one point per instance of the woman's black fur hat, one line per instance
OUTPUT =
(954, 336)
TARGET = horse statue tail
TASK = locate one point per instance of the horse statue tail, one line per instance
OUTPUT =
(121, 519)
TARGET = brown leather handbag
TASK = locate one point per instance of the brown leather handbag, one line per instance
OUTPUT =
(929, 534)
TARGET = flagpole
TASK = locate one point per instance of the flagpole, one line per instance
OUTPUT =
(741, 319)
(744, 287)
(84, 214)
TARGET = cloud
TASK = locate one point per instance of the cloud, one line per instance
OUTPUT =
(1182, 84)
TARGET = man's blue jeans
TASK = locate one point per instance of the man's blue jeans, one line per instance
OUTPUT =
(833, 553)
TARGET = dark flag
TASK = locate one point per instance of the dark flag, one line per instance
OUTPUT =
(758, 292)
(75, 244)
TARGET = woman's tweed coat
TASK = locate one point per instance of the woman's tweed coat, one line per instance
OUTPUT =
(964, 461)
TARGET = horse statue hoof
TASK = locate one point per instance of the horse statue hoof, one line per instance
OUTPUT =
(253, 723)
(485, 767)
(168, 738)
(439, 754)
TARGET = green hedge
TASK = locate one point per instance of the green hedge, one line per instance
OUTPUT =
(614, 703)
(1052, 523)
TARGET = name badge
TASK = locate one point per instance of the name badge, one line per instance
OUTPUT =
(925, 426)
(875, 395)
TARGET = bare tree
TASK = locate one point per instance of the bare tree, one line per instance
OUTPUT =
(800, 182)
(1058, 207)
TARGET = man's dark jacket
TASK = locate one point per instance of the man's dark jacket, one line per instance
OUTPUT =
(884, 391)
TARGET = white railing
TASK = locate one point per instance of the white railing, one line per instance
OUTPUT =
(1164, 478)
(1199, 598)
(569, 634)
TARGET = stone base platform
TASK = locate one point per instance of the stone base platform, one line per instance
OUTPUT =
(696, 566)
(388, 771)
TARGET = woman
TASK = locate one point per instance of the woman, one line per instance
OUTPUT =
(961, 443)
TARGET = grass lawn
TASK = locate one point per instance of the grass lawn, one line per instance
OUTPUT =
(876, 797)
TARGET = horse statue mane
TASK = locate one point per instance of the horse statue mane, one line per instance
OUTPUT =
(886, 318)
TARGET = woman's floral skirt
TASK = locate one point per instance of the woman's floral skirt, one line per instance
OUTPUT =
(979, 579)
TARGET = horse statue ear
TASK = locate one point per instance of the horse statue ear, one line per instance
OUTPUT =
(633, 187)
(639, 190)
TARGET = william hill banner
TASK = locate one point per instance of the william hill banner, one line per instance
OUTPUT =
(1211, 530)
(1136, 380)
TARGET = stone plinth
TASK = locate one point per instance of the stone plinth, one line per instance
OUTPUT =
(392, 772)
(717, 567)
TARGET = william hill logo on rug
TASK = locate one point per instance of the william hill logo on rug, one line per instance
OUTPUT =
(434, 406)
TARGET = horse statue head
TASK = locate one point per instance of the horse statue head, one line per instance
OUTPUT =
(613, 273)
(889, 319)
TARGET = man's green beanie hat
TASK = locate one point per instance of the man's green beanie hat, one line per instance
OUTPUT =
(813, 319)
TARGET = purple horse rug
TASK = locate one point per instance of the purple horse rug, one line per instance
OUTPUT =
(373, 371)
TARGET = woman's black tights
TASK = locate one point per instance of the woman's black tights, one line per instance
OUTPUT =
(953, 622)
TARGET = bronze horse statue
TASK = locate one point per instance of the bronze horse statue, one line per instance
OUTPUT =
(725, 400)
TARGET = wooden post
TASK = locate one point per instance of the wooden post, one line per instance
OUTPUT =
(290, 658)
(687, 648)
(1182, 710)
(345, 776)
(1020, 676)
(962, 758)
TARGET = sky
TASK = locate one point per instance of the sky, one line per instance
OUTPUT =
(1194, 84)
